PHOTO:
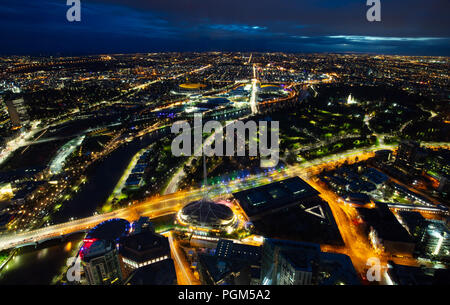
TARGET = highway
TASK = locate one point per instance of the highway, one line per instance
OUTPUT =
(182, 269)
(356, 242)
(253, 97)
(172, 186)
(20, 140)
(160, 205)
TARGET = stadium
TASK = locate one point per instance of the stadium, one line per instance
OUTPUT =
(189, 89)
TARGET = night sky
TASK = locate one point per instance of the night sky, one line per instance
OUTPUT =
(40, 27)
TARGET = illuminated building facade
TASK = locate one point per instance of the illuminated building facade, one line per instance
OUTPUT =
(101, 263)
(206, 214)
(17, 112)
(99, 253)
(142, 249)
(385, 231)
(288, 262)
(434, 241)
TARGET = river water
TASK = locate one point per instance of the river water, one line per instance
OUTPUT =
(101, 182)
(42, 265)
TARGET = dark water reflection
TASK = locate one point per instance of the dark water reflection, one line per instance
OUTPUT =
(41, 265)
(102, 180)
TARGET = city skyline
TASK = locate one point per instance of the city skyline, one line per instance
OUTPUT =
(217, 143)
(407, 27)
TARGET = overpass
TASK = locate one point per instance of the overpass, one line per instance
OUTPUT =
(154, 207)
(41, 241)
(163, 205)
(166, 204)
(438, 209)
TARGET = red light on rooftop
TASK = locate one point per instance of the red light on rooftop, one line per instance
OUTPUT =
(87, 243)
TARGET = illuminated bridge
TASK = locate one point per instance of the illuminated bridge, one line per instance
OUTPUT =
(438, 209)
(152, 208)
(172, 203)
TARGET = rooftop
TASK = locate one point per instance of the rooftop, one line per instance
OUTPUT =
(143, 246)
(109, 230)
(274, 195)
(385, 223)
(161, 273)
(206, 213)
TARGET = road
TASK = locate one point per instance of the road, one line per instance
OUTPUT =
(172, 186)
(182, 269)
(159, 205)
(253, 96)
(21, 140)
(356, 242)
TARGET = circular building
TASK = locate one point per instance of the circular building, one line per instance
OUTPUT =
(192, 86)
(207, 214)
(218, 101)
(190, 89)
(105, 233)
(111, 229)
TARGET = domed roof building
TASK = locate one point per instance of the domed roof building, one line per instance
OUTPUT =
(111, 229)
(190, 88)
(105, 235)
(207, 214)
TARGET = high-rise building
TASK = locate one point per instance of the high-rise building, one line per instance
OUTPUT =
(145, 257)
(300, 263)
(99, 253)
(434, 241)
(4, 114)
(407, 153)
(142, 249)
(238, 253)
(230, 249)
(384, 155)
(288, 262)
(385, 231)
(336, 269)
(17, 112)
(115, 252)
(161, 273)
(101, 262)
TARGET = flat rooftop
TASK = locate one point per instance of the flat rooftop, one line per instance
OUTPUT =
(290, 209)
(385, 223)
(274, 195)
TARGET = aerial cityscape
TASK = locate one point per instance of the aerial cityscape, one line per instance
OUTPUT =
(322, 167)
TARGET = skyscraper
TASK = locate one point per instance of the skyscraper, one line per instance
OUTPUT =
(17, 112)
(99, 253)
(288, 262)
(101, 263)
(407, 152)
(142, 249)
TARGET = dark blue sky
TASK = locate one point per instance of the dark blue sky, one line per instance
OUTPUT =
(410, 27)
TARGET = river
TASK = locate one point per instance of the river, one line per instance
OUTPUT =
(42, 265)
(102, 179)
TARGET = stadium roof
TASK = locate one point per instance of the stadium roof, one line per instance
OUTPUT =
(192, 86)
